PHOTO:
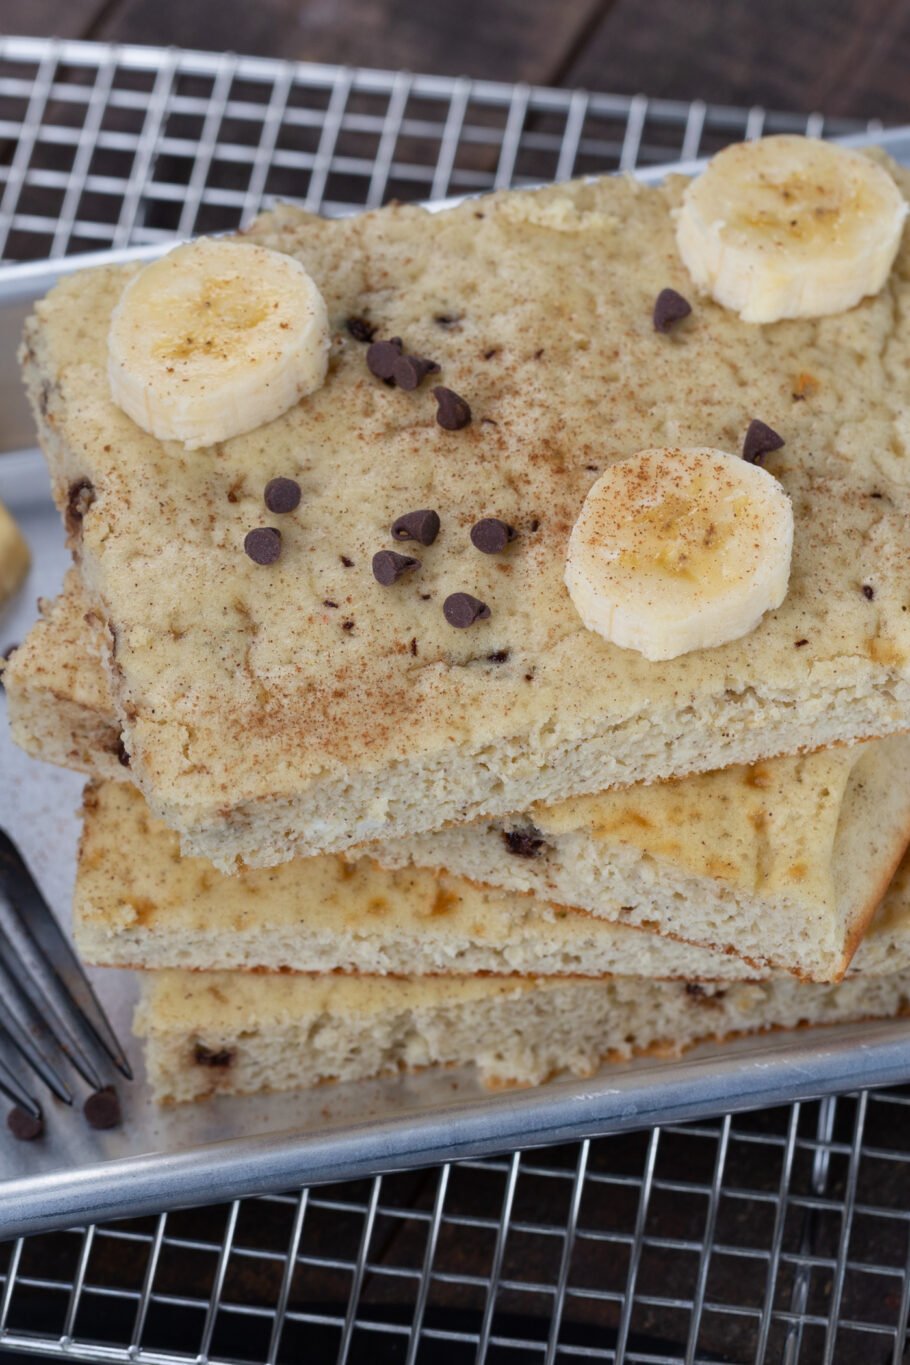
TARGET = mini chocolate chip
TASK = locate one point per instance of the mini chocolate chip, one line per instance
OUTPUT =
(207, 1056)
(24, 1125)
(347, 625)
(498, 656)
(461, 610)
(411, 370)
(413, 645)
(79, 499)
(102, 1109)
(534, 524)
(526, 842)
(360, 329)
(282, 495)
(698, 992)
(381, 357)
(453, 412)
(799, 644)
(422, 526)
(868, 591)
(447, 319)
(759, 441)
(538, 353)
(327, 602)
(123, 757)
(5, 656)
(348, 563)
(491, 536)
(488, 355)
(876, 495)
(669, 307)
(263, 545)
(388, 566)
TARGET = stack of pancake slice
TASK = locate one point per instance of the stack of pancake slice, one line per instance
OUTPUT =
(340, 831)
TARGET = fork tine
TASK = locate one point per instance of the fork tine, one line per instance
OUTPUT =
(10, 1087)
(17, 1038)
(38, 1015)
(37, 921)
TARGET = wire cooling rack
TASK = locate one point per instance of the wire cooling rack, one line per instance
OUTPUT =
(776, 1237)
(783, 1236)
(111, 146)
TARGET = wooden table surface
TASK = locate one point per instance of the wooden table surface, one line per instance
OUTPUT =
(845, 57)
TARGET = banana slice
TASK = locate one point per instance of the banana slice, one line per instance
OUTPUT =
(14, 556)
(790, 227)
(676, 550)
(215, 339)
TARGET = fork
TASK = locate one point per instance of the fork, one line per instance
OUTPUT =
(50, 1018)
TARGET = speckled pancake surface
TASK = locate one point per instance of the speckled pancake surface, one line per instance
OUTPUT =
(301, 706)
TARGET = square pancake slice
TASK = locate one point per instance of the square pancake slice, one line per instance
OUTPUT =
(211, 1033)
(301, 707)
(781, 863)
(138, 903)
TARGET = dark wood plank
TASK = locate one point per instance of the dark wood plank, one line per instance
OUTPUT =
(509, 40)
(846, 57)
(50, 18)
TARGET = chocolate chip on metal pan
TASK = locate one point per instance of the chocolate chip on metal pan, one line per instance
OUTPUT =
(462, 610)
(102, 1109)
(422, 526)
(23, 1125)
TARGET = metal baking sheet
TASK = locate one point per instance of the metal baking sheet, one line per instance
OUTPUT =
(230, 1147)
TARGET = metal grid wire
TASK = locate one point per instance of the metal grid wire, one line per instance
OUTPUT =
(110, 146)
(776, 1237)
(783, 1236)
